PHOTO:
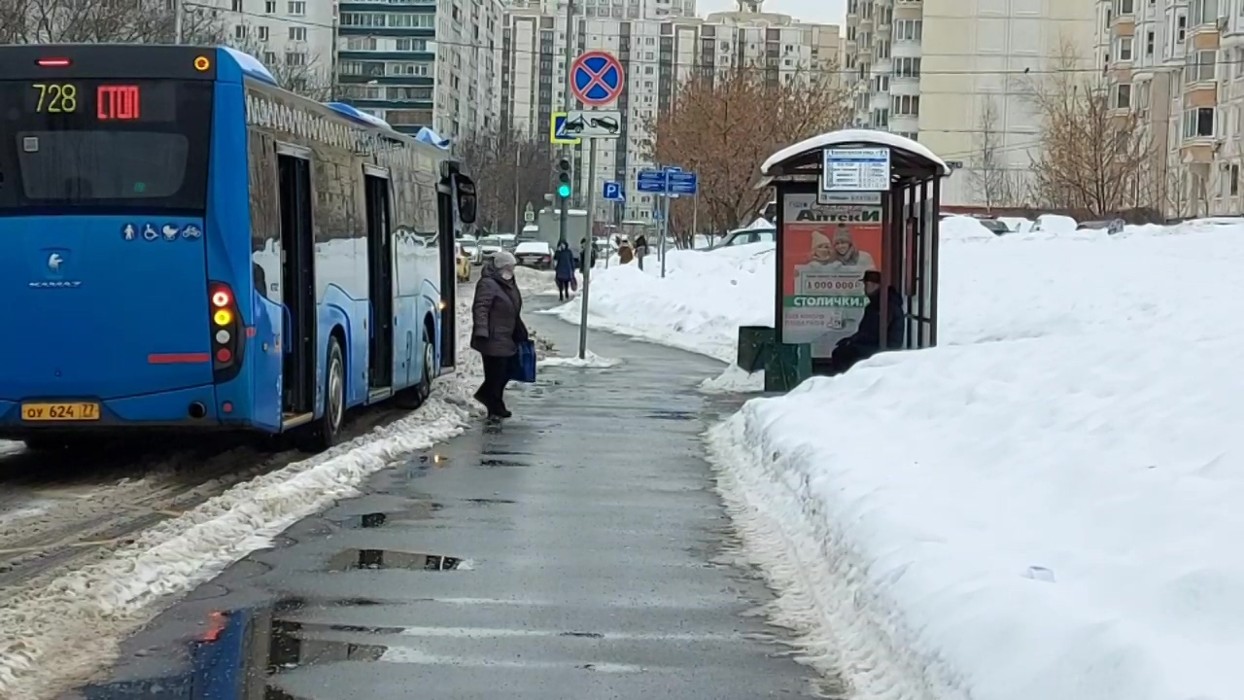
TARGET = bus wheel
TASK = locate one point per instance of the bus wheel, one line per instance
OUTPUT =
(417, 395)
(327, 430)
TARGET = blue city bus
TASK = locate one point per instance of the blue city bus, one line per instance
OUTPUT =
(185, 246)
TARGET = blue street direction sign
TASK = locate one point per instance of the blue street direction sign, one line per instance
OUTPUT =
(682, 183)
(613, 192)
(597, 78)
(671, 182)
(651, 181)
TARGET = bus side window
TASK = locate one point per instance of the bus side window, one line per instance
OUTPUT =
(261, 279)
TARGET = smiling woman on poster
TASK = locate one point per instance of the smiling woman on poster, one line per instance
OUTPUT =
(839, 254)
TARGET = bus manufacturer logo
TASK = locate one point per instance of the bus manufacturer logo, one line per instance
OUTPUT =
(55, 260)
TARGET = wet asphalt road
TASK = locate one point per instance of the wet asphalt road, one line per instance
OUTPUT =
(576, 552)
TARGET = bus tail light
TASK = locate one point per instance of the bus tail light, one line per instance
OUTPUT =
(226, 331)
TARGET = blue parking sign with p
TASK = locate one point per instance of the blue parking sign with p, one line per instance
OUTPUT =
(613, 192)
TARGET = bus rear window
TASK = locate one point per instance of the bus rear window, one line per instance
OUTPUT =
(101, 145)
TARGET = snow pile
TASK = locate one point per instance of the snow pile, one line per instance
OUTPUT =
(532, 281)
(699, 305)
(1047, 506)
(963, 228)
(590, 361)
(43, 649)
(734, 380)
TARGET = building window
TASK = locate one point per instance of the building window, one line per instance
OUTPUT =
(906, 67)
(1124, 50)
(1123, 96)
(1181, 28)
(297, 33)
(1150, 41)
(1199, 123)
(1124, 7)
(1203, 11)
(908, 30)
(1199, 67)
(1235, 180)
(905, 105)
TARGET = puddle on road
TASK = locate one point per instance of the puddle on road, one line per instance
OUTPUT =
(376, 559)
(421, 511)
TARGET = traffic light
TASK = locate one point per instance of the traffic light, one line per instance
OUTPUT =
(564, 189)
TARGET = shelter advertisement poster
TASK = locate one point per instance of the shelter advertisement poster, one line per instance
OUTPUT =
(826, 249)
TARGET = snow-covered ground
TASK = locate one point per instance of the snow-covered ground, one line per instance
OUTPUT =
(42, 647)
(1045, 506)
(699, 305)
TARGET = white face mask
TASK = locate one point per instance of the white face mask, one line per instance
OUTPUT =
(507, 275)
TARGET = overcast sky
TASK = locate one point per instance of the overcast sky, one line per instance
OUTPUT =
(827, 11)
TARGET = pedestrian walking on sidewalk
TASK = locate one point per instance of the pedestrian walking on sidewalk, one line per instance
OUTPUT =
(641, 249)
(497, 329)
(563, 262)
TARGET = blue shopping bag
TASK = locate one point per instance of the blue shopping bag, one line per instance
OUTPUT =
(523, 365)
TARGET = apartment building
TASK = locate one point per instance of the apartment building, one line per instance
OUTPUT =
(1180, 64)
(295, 39)
(416, 63)
(658, 50)
(958, 75)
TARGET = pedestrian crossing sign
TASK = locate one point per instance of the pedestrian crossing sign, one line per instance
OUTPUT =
(557, 125)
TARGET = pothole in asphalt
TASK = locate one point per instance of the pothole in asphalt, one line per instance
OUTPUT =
(490, 462)
(672, 415)
(375, 559)
(490, 501)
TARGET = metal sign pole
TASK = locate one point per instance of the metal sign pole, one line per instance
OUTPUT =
(695, 217)
(589, 246)
(665, 220)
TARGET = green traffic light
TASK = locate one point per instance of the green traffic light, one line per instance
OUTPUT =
(563, 191)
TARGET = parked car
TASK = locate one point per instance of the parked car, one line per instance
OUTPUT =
(470, 246)
(746, 236)
(1111, 226)
(490, 245)
(995, 227)
(537, 254)
(463, 262)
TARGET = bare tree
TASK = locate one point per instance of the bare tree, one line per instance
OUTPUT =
(1094, 144)
(724, 125)
(511, 171)
(990, 176)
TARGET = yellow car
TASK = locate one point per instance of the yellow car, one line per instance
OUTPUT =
(463, 263)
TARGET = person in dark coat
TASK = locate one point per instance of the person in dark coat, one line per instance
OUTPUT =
(563, 265)
(497, 329)
(866, 341)
(641, 249)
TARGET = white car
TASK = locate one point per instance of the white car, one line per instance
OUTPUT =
(470, 246)
(537, 254)
(489, 245)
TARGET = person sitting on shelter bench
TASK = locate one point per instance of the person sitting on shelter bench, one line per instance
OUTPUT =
(866, 341)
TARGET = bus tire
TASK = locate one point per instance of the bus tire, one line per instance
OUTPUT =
(326, 431)
(417, 395)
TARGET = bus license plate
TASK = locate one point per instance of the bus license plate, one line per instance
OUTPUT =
(44, 412)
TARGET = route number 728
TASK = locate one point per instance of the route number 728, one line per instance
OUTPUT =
(57, 98)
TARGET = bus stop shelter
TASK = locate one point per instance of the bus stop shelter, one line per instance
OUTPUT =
(848, 202)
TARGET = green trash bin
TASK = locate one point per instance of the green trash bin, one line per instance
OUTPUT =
(755, 346)
(787, 366)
